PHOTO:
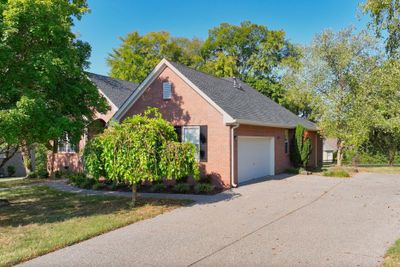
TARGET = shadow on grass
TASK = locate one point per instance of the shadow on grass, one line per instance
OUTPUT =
(41, 205)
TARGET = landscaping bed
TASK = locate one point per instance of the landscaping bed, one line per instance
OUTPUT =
(40, 220)
(203, 187)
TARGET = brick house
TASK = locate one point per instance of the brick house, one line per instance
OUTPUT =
(240, 133)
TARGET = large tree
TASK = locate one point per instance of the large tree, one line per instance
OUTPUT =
(385, 16)
(138, 54)
(333, 75)
(44, 90)
(251, 52)
(383, 88)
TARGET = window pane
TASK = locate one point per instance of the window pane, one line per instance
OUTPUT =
(192, 135)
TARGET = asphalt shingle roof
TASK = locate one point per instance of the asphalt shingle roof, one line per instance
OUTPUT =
(115, 89)
(244, 103)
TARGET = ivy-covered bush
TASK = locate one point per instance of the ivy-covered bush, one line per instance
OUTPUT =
(203, 188)
(181, 188)
(141, 148)
(300, 151)
(41, 161)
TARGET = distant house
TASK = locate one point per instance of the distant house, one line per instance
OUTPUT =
(329, 149)
(240, 133)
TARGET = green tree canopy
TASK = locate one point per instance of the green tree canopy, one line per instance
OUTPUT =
(44, 90)
(251, 52)
(385, 16)
(138, 55)
(334, 70)
(141, 148)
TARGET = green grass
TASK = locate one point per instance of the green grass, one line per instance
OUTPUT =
(40, 220)
(381, 169)
(336, 173)
(12, 182)
(392, 257)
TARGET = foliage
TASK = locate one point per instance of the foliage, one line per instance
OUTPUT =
(11, 170)
(202, 188)
(251, 52)
(138, 55)
(44, 90)
(385, 16)
(99, 186)
(336, 173)
(301, 147)
(333, 74)
(181, 188)
(7, 151)
(141, 148)
(292, 170)
(383, 87)
(158, 188)
(41, 161)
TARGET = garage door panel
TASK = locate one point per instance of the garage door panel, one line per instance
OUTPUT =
(255, 158)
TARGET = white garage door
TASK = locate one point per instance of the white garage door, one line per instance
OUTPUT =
(255, 157)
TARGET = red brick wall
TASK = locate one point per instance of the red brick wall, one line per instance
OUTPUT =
(73, 160)
(187, 107)
(282, 160)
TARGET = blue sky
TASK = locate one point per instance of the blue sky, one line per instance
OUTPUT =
(300, 19)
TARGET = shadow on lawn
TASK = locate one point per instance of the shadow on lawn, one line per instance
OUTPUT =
(41, 205)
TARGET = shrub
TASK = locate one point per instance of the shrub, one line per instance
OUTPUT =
(80, 180)
(181, 188)
(159, 187)
(336, 173)
(58, 174)
(206, 179)
(33, 175)
(204, 188)
(11, 170)
(98, 186)
(300, 151)
(293, 170)
(41, 161)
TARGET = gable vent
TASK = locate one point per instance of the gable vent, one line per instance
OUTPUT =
(166, 90)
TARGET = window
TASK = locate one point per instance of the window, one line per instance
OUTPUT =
(286, 141)
(166, 90)
(196, 135)
(65, 145)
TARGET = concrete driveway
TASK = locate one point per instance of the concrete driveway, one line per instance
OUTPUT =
(294, 221)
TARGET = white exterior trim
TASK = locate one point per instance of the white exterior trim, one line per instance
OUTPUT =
(274, 125)
(151, 77)
(108, 99)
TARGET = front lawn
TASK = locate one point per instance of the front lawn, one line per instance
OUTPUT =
(40, 219)
(392, 257)
(381, 169)
(12, 182)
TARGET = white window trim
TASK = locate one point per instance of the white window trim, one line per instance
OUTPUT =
(183, 138)
(67, 144)
(168, 95)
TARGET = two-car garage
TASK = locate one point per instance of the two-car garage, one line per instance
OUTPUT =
(256, 157)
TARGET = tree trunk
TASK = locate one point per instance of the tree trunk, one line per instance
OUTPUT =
(339, 156)
(26, 156)
(134, 194)
(391, 156)
(53, 159)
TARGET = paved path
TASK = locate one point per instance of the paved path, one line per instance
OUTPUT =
(63, 186)
(297, 221)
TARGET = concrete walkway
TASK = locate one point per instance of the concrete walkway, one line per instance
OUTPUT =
(296, 221)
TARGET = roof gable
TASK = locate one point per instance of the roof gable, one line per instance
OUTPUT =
(244, 104)
(238, 105)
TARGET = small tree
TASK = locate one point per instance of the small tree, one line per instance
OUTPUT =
(142, 148)
(301, 147)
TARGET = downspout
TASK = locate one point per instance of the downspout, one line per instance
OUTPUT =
(233, 184)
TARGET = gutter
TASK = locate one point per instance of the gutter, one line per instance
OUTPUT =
(233, 184)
